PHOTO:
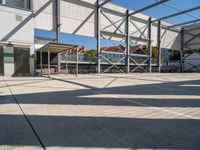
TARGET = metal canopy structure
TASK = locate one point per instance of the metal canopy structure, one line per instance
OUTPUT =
(105, 2)
(184, 23)
(127, 19)
(148, 7)
(58, 49)
(177, 14)
(129, 38)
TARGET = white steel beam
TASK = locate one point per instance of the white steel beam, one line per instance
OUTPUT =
(104, 3)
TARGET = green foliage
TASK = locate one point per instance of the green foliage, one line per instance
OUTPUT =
(90, 56)
(154, 53)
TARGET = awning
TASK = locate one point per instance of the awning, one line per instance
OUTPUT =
(58, 48)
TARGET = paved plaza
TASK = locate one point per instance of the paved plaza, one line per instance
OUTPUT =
(109, 111)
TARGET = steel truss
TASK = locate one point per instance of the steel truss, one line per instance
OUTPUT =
(124, 35)
(128, 19)
(140, 61)
(117, 33)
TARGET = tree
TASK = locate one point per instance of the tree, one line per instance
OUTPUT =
(154, 53)
(90, 56)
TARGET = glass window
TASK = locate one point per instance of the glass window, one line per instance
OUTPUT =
(18, 3)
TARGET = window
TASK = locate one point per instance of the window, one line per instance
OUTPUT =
(17, 3)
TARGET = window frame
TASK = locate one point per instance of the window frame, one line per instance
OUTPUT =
(27, 5)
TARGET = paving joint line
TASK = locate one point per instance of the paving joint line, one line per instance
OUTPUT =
(157, 108)
(25, 116)
(101, 90)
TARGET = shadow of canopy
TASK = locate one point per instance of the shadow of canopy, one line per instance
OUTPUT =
(104, 132)
(89, 96)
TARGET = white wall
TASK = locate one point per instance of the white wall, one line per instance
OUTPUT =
(13, 30)
(170, 40)
(44, 10)
(18, 32)
(9, 61)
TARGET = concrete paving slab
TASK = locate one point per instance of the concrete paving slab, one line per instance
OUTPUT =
(15, 132)
(109, 111)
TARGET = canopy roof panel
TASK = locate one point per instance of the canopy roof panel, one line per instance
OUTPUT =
(57, 48)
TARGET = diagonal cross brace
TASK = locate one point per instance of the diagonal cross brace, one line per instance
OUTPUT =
(193, 66)
(191, 39)
(113, 64)
(139, 30)
(111, 21)
(139, 65)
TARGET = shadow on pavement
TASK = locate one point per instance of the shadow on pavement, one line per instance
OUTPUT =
(106, 132)
(100, 132)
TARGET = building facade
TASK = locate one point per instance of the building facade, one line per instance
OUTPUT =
(20, 18)
(16, 38)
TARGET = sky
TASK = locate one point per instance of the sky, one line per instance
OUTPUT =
(157, 12)
(163, 10)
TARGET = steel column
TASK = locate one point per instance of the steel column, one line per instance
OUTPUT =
(35, 62)
(41, 63)
(127, 41)
(59, 63)
(58, 24)
(149, 45)
(182, 49)
(98, 38)
(159, 45)
(77, 59)
(66, 60)
(26, 4)
(49, 63)
(30, 5)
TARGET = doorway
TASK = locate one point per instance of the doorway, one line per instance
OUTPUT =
(21, 60)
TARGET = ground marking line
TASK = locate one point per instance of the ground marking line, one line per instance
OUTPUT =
(143, 104)
(157, 108)
(28, 121)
